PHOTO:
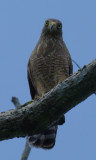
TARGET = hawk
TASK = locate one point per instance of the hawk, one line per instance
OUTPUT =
(49, 64)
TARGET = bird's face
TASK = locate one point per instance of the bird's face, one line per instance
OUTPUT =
(52, 27)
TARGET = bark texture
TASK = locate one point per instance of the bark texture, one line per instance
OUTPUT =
(35, 117)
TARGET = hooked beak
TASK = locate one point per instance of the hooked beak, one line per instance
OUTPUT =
(52, 26)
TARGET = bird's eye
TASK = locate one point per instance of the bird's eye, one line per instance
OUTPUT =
(59, 26)
(46, 23)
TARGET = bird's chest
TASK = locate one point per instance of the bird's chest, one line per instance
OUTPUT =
(50, 59)
(50, 54)
(49, 65)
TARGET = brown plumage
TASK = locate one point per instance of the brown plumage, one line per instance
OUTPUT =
(49, 64)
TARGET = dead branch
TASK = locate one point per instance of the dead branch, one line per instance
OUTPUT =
(41, 114)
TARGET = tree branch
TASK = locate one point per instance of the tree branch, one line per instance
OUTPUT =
(27, 148)
(26, 151)
(41, 114)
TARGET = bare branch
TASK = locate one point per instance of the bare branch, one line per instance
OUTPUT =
(26, 151)
(41, 114)
(27, 148)
(76, 63)
(16, 102)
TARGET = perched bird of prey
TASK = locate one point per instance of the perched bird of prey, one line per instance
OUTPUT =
(49, 64)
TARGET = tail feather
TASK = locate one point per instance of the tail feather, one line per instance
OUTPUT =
(45, 140)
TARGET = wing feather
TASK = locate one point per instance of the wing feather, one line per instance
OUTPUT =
(70, 66)
(31, 86)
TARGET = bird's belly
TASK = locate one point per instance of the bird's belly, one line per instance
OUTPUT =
(48, 73)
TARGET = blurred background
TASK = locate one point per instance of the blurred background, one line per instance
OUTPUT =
(21, 23)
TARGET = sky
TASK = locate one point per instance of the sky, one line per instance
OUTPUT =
(21, 23)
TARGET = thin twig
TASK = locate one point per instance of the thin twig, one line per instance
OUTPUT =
(26, 151)
(16, 102)
(27, 148)
(76, 63)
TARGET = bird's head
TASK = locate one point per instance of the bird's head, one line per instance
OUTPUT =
(52, 27)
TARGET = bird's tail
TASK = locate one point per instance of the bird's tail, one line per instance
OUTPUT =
(45, 140)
